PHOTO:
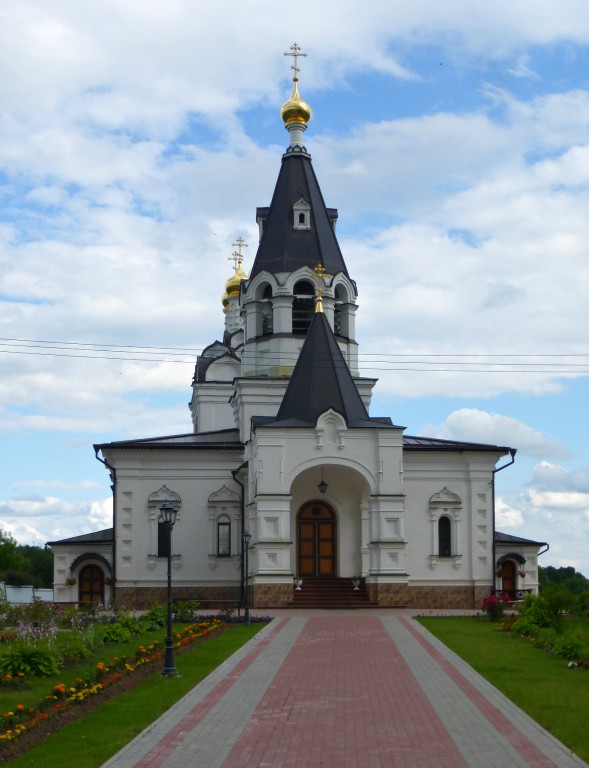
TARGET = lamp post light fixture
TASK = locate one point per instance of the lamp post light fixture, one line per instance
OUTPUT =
(246, 538)
(167, 516)
(322, 485)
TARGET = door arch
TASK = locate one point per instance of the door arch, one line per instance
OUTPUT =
(316, 540)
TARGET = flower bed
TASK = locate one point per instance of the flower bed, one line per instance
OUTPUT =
(64, 697)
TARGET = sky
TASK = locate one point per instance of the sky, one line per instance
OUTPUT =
(137, 139)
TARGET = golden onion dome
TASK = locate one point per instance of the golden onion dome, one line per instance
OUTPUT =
(295, 110)
(233, 285)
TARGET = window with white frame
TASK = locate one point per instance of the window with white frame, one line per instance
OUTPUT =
(444, 536)
(223, 536)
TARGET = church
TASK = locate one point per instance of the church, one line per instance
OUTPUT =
(287, 492)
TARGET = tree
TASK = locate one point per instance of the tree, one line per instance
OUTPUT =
(567, 577)
(24, 564)
(10, 558)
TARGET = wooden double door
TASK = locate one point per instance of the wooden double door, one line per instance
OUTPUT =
(316, 540)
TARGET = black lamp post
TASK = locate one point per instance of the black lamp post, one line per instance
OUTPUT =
(167, 516)
(246, 538)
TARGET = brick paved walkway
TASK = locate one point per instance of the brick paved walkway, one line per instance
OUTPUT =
(344, 690)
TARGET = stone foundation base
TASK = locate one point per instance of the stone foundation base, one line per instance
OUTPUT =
(142, 598)
(444, 597)
(389, 595)
(281, 595)
(406, 596)
(272, 595)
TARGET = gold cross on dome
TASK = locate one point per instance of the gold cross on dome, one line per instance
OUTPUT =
(237, 256)
(318, 274)
(295, 52)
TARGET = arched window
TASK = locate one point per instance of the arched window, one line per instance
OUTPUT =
(341, 317)
(303, 307)
(267, 311)
(301, 215)
(444, 537)
(163, 540)
(224, 536)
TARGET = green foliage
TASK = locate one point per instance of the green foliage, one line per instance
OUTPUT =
(535, 611)
(549, 608)
(494, 606)
(568, 578)
(568, 647)
(10, 559)
(185, 611)
(526, 626)
(116, 633)
(37, 612)
(535, 680)
(557, 601)
(21, 565)
(74, 647)
(126, 715)
(39, 564)
(131, 624)
(155, 617)
(23, 658)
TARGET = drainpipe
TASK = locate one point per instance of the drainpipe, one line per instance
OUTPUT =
(113, 476)
(242, 519)
(512, 452)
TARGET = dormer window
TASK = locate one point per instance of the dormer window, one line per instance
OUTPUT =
(301, 214)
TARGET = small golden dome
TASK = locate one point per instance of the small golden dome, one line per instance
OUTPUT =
(295, 110)
(232, 286)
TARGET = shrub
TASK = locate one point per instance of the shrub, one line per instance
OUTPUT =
(74, 647)
(525, 626)
(131, 624)
(568, 647)
(155, 617)
(117, 633)
(557, 601)
(494, 606)
(185, 611)
(29, 660)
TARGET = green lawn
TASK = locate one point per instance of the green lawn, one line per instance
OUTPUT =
(539, 682)
(99, 735)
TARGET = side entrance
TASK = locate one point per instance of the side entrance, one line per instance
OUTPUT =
(316, 540)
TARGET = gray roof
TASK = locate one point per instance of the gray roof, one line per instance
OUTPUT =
(508, 538)
(105, 536)
(284, 249)
(223, 439)
(418, 443)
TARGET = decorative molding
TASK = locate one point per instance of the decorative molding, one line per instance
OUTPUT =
(157, 498)
(224, 496)
(445, 499)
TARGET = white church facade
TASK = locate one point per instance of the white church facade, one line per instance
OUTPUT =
(343, 508)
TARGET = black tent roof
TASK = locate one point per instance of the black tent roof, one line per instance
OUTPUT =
(321, 380)
(284, 249)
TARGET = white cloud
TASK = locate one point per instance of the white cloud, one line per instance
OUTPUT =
(559, 501)
(554, 478)
(474, 425)
(101, 513)
(507, 517)
(38, 519)
(58, 484)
